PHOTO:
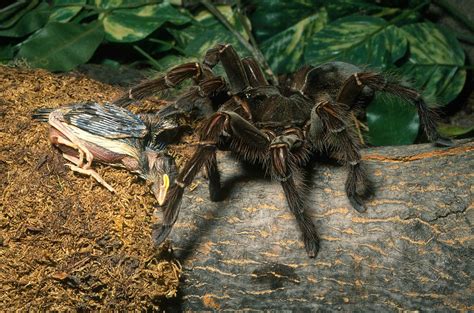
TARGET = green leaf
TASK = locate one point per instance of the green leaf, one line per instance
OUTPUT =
(284, 51)
(435, 61)
(6, 52)
(448, 130)
(341, 8)
(274, 16)
(61, 47)
(133, 24)
(29, 22)
(361, 40)
(183, 36)
(164, 46)
(208, 32)
(111, 63)
(11, 14)
(391, 121)
(64, 14)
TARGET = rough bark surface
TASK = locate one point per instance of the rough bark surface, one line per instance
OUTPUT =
(411, 250)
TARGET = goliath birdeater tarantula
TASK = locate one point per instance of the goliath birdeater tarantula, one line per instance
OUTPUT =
(277, 127)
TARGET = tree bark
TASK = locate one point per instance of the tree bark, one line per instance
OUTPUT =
(411, 250)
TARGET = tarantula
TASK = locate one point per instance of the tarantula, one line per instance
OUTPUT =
(277, 127)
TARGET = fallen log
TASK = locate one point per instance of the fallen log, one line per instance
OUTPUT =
(411, 250)
(66, 243)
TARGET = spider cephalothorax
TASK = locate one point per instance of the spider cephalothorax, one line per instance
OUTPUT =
(278, 127)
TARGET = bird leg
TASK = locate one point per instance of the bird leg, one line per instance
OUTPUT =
(73, 141)
(70, 140)
(90, 172)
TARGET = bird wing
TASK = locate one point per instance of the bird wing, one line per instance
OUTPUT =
(108, 120)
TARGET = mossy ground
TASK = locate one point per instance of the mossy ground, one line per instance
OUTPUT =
(66, 242)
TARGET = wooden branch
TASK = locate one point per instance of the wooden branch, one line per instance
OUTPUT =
(411, 250)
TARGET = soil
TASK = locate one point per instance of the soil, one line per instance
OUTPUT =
(66, 242)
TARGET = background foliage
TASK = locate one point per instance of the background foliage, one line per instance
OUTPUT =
(392, 36)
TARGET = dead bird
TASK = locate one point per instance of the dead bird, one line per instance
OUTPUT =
(87, 132)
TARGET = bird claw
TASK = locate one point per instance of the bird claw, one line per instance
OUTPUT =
(89, 158)
(91, 172)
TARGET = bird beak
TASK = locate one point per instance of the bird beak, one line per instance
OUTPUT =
(162, 190)
(162, 172)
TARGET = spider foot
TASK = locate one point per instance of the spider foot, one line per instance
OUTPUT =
(357, 203)
(358, 187)
(310, 236)
(444, 142)
(159, 235)
(312, 246)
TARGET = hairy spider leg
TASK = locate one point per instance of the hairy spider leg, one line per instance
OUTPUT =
(254, 145)
(90, 172)
(353, 86)
(232, 64)
(55, 120)
(254, 73)
(299, 81)
(219, 124)
(284, 168)
(331, 130)
(196, 97)
(244, 74)
(200, 72)
(239, 73)
(172, 78)
(350, 90)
